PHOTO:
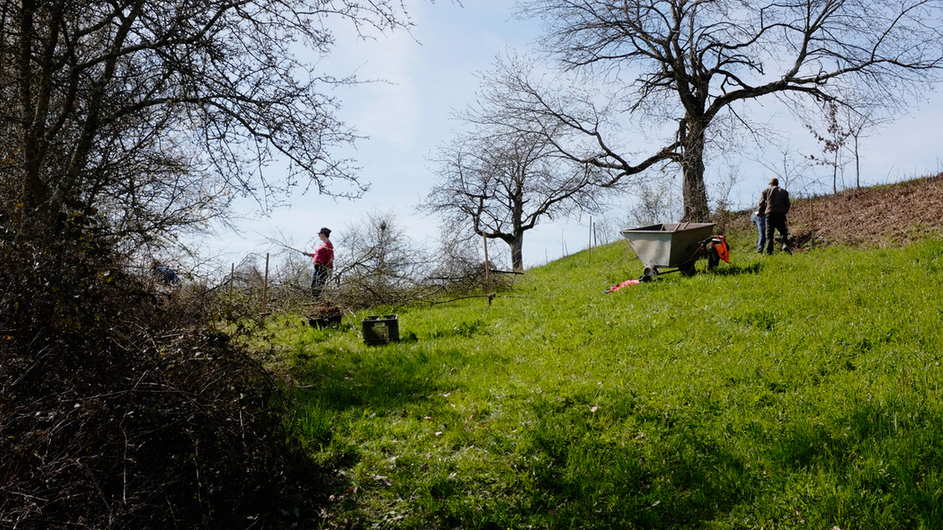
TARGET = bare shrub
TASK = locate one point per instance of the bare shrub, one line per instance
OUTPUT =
(120, 409)
(380, 265)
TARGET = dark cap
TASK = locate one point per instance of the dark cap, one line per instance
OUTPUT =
(325, 231)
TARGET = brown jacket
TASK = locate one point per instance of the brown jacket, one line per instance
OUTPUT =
(774, 200)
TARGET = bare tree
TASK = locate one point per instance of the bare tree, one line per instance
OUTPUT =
(789, 167)
(692, 61)
(859, 126)
(155, 114)
(377, 263)
(501, 179)
(654, 202)
(458, 264)
(839, 130)
(832, 141)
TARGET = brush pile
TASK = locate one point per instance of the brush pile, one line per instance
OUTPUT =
(118, 411)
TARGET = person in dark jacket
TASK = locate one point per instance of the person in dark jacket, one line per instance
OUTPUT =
(774, 202)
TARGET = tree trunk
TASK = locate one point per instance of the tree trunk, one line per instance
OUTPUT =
(835, 173)
(34, 208)
(857, 162)
(517, 251)
(692, 165)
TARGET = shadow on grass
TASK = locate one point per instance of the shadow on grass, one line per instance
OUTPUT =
(383, 379)
(387, 383)
(720, 270)
(880, 451)
(673, 479)
(737, 270)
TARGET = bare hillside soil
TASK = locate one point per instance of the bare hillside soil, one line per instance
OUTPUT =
(881, 216)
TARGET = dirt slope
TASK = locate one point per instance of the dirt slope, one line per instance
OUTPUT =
(889, 215)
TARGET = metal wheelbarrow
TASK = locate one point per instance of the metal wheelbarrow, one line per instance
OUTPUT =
(677, 246)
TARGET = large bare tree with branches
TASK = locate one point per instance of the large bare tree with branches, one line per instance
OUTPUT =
(500, 181)
(154, 114)
(691, 62)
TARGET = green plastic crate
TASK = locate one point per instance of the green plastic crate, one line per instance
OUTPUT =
(380, 329)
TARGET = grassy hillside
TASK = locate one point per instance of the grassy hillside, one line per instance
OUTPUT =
(794, 391)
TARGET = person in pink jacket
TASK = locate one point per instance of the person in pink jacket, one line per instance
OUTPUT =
(323, 263)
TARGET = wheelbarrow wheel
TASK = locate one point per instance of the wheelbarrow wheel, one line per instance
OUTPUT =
(648, 274)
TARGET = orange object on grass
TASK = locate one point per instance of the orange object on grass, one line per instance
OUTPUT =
(723, 251)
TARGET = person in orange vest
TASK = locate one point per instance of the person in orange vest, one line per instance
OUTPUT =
(323, 263)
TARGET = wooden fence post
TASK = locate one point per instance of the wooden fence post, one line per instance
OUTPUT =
(487, 265)
(265, 286)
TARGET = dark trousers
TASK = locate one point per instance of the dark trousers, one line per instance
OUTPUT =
(318, 279)
(776, 221)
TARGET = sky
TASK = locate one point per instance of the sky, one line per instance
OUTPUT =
(431, 73)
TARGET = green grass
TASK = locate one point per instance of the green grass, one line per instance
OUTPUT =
(775, 392)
